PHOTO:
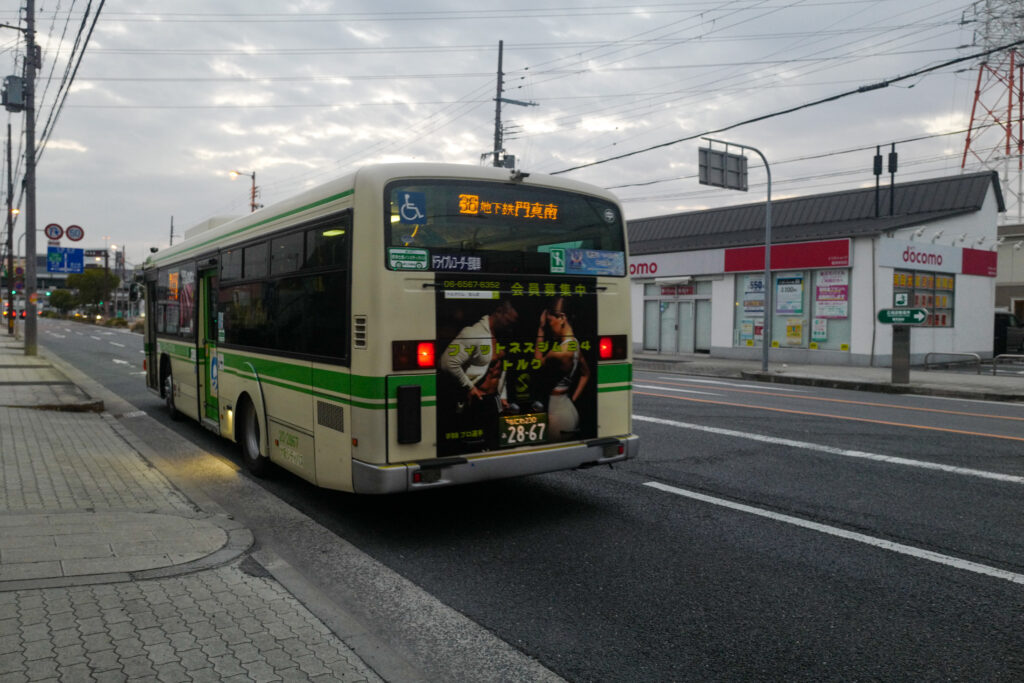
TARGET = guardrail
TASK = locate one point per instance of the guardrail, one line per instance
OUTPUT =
(1005, 356)
(971, 357)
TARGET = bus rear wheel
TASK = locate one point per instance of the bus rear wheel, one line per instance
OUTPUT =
(249, 440)
(168, 385)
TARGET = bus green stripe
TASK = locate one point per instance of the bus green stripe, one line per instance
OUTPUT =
(614, 373)
(320, 382)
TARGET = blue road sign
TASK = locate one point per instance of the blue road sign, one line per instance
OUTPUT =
(64, 260)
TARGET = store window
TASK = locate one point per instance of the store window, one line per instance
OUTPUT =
(933, 292)
(810, 309)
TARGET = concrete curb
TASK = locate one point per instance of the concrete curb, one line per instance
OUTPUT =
(239, 540)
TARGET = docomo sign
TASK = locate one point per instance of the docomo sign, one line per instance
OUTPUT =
(643, 268)
(912, 255)
(936, 257)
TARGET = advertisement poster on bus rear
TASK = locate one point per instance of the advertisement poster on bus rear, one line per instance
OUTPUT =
(518, 361)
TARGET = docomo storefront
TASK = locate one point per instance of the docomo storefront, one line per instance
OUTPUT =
(825, 298)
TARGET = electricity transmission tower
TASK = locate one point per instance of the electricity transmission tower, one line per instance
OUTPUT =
(995, 136)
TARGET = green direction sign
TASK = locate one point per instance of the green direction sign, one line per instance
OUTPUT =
(902, 316)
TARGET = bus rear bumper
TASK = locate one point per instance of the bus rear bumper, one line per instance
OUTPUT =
(428, 474)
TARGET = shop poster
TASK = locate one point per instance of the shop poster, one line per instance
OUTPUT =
(789, 293)
(832, 294)
(517, 362)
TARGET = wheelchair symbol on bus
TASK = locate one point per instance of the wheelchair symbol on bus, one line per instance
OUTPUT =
(413, 209)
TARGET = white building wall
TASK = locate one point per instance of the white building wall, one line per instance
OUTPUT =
(862, 300)
(723, 296)
(871, 289)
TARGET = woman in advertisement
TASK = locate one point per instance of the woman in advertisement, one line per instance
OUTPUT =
(558, 347)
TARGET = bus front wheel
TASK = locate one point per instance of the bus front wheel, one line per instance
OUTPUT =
(249, 440)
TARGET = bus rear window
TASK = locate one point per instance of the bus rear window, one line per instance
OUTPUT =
(440, 225)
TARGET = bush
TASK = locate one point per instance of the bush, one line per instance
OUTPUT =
(116, 322)
(139, 326)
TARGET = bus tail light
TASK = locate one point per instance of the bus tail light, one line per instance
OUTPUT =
(612, 347)
(412, 355)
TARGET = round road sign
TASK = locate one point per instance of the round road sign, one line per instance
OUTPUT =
(53, 231)
(74, 233)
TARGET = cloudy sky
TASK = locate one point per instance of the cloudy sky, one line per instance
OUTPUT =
(166, 101)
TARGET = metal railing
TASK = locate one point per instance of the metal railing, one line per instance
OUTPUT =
(970, 358)
(1013, 357)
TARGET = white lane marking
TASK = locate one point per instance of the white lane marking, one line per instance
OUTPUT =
(120, 362)
(919, 553)
(94, 337)
(57, 336)
(135, 413)
(681, 391)
(116, 344)
(766, 385)
(1006, 404)
(889, 459)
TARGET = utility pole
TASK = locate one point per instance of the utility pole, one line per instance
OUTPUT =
(497, 107)
(172, 231)
(10, 238)
(498, 99)
(31, 64)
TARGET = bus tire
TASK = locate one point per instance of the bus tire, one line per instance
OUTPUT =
(168, 389)
(249, 440)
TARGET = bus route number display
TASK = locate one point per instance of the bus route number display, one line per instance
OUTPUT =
(474, 205)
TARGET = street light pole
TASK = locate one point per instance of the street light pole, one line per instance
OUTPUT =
(252, 194)
(766, 334)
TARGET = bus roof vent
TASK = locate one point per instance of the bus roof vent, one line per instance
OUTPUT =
(359, 331)
(209, 224)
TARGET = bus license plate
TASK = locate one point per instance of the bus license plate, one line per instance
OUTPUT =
(521, 430)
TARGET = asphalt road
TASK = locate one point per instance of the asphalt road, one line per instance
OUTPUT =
(766, 532)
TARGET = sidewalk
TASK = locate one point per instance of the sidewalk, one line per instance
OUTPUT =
(109, 573)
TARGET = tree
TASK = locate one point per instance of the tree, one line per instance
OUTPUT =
(63, 300)
(94, 286)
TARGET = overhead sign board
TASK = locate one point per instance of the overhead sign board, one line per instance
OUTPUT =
(64, 260)
(902, 316)
(722, 169)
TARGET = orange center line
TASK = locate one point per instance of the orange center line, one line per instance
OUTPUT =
(835, 417)
(835, 400)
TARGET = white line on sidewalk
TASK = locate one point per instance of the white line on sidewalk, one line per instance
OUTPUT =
(765, 385)
(919, 553)
(679, 391)
(889, 459)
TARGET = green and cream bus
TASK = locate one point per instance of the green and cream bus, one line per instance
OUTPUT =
(404, 327)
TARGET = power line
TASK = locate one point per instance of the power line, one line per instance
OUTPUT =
(790, 110)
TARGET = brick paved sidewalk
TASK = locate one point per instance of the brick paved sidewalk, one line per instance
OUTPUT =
(109, 573)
